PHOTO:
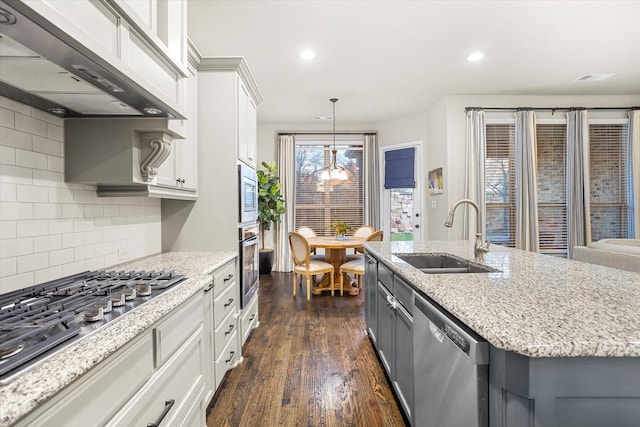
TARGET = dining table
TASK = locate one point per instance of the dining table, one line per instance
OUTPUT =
(335, 253)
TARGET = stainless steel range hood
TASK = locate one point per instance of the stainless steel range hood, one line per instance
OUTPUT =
(43, 67)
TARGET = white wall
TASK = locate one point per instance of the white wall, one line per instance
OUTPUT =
(48, 228)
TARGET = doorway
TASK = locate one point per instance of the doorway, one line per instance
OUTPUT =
(402, 207)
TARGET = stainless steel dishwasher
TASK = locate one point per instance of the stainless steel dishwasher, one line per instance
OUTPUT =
(451, 370)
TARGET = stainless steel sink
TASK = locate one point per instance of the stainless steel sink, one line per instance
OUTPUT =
(443, 264)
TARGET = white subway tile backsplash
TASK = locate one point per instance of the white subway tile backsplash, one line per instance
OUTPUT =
(7, 155)
(49, 228)
(72, 240)
(60, 257)
(8, 229)
(33, 228)
(48, 274)
(47, 146)
(61, 195)
(30, 193)
(16, 211)
(48, 178)
(47, 243)
(31, 159)
(30, 125)
(8, 267)
(15, 247)
(16, 174)
(8, 193)
(46, 211)
(15, 138)
(33, 262)
(55, 164)
(59, 226)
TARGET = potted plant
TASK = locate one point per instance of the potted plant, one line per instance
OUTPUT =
(270, 208)
(341, 229)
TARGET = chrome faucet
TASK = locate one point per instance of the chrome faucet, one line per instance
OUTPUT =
(478, 248)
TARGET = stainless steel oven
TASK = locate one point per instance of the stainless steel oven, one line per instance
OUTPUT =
(249, 263)
(248, 184)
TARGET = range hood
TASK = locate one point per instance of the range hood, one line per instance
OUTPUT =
(43, 67)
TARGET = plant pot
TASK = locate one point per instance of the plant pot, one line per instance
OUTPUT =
(266, 261)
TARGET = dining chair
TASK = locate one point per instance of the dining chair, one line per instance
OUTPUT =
(304, 265)
(355, 267)
(376, 236)
(308, 232)
(362, 232)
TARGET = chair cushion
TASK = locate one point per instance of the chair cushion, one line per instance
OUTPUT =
(355, 266)
(314, 266)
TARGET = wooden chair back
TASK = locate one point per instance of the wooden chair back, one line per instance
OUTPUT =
(300, 249)
(307, 232)
(364, 231)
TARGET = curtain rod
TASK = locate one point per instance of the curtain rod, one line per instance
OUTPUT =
(368, 132)
(552, 109)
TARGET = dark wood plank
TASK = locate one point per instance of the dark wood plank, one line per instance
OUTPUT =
(309, 363)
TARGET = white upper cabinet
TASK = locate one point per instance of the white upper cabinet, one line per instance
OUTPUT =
(247, 126)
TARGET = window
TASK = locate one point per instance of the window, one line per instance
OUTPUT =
(319, 203)
(608, 175)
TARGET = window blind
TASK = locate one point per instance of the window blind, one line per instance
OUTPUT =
(500, 184)
(608, 175)
(399, 168)
(552, 194)
(319, 203)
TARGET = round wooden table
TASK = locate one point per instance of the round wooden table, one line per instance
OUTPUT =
(335, 253)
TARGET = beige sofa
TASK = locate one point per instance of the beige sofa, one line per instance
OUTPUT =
(617, 253)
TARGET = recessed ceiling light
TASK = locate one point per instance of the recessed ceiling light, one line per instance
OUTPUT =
(307, 54)
(475, 56)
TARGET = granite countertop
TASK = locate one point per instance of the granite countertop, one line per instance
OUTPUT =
(44, 379)
(537, 305)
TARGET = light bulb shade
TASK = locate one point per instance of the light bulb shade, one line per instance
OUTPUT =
(335, 174)
(325, 175)
(342, 175)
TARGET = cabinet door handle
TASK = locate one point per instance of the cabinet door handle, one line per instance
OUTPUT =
(229, 277)
(230, 329)
(370, 261)
(230, 357)
(211, 286)
(229, 302)
(253, 316)
(167, 407)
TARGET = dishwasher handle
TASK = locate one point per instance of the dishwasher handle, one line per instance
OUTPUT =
(473, 345)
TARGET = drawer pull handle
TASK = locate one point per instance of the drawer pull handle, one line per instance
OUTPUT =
(229, 302)
(230, 329)
(211, 286)
(229, 277)
(167, 407)
(253, 316)
(230, 357)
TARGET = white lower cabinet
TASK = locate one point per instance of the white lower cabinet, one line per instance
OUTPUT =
(249, 318)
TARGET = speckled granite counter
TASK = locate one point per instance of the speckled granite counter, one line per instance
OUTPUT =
(537, 305)
(31, 388)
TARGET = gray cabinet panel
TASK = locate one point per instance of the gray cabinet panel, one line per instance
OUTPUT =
(371, 297)
(386, 318)
(403, 382)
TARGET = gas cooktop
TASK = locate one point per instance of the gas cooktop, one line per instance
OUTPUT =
(39, 320)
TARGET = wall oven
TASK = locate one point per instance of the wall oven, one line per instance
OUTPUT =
(248, 263)
(248, 184)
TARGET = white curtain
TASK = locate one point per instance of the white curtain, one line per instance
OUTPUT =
(286, 161)
(474, 188)
(578, 204)
(371, 182)
(526, 182)
(633, 186)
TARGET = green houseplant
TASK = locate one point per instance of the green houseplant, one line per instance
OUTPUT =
(270, 208)
(341, 228)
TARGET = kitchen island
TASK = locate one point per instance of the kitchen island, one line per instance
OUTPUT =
(564, 335)
(37, 385)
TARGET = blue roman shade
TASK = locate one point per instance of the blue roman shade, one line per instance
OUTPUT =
(399, 168)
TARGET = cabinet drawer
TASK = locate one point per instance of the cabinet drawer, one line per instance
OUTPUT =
(223, 277)
(385, 276)
(224, 304)
(227, 359)
(171, 333)
(249, 319)
(403, 293)
(179, 381)
(116, 380)
(224, 332)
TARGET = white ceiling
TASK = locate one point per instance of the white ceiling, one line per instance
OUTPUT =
(388, 59)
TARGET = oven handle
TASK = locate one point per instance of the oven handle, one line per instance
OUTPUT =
(167, 407)
(249, 241)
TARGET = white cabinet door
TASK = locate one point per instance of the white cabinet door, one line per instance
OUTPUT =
(243, 118)
(252, 132)
(188, 154)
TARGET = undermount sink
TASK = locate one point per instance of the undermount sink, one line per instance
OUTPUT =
(442, 264)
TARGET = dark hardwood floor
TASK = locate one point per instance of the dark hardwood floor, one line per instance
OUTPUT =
(308, 363)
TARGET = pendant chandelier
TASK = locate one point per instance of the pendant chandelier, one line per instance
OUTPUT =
(334, 172)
